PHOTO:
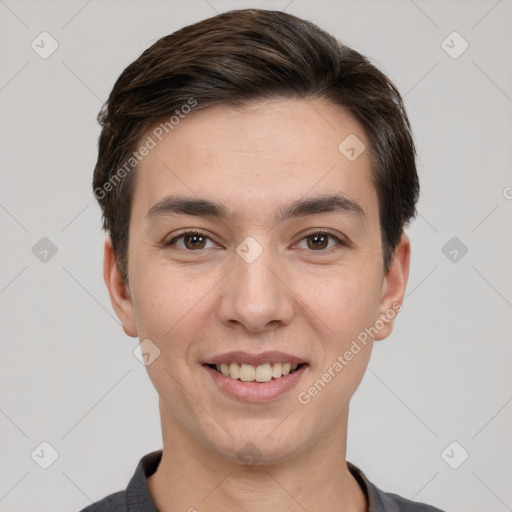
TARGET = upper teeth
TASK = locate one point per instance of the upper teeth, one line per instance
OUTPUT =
(261, 373)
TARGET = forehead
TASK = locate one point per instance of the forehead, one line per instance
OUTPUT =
(259, 158)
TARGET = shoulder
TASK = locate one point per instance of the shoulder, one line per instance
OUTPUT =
(381, 501)
(137, 495)
(115, 502)
(391, 502)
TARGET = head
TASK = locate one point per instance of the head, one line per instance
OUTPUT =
(298, 157)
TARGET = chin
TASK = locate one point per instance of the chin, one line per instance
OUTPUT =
(249, 449)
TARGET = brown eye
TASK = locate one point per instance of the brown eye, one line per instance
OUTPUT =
(193, 240)
(319, 241)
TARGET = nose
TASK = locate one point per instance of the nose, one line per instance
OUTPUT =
(257, 294)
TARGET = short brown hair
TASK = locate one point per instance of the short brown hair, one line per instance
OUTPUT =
(246, 55)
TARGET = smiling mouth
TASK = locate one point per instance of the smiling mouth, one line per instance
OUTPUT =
(261, 373)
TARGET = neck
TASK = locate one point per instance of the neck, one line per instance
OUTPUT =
(192, 477)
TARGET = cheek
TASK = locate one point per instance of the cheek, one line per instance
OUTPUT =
(155, 304)
(344, 303)
(168, 312)
(344, 311)
(169, 308)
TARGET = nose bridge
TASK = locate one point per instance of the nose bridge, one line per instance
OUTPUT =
(256, 295)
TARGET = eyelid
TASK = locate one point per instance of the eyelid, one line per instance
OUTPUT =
(342, 241)
(189, 231)
(335, 234)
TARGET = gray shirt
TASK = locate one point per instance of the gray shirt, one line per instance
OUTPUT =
(137, 498)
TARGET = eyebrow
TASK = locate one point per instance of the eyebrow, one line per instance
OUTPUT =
(182, 205)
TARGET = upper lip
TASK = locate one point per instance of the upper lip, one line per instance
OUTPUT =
(255, 359)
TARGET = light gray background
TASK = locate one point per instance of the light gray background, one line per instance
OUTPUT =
(68, 373)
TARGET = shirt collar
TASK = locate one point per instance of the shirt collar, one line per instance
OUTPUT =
(138, 496)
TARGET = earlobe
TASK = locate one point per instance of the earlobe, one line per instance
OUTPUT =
(118, 291)
(393, 287)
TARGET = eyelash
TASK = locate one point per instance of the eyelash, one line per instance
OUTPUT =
(173, 241)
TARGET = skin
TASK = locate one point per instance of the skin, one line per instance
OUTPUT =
(194, 303)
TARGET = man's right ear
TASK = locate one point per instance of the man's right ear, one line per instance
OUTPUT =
(119, 294)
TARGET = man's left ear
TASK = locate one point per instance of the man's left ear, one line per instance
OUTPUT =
(393, 287)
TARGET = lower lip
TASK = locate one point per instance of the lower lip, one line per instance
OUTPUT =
(256, 391)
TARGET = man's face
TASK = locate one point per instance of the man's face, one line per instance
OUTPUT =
(256, 281)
